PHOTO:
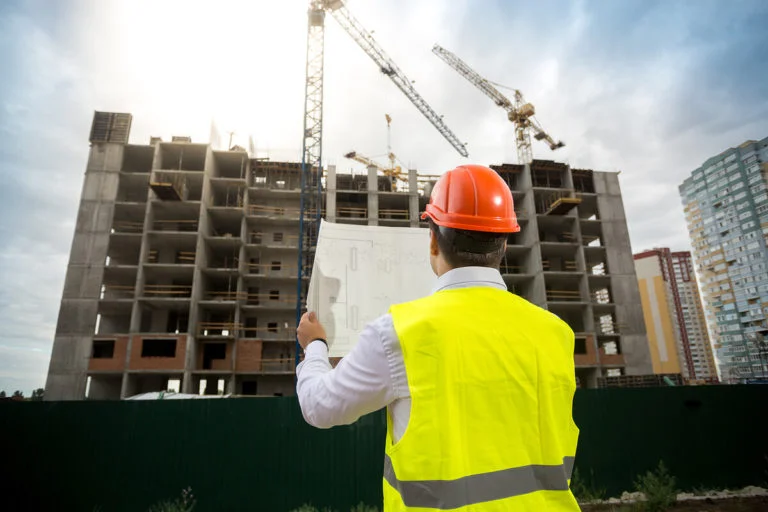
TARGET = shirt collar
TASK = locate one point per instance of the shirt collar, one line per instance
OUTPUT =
(466, 277)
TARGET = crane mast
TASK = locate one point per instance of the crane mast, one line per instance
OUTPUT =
(311, 156)
(518, 110)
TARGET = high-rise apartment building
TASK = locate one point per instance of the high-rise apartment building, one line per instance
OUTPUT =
(183, 269)
(674, 317)
(726, 209)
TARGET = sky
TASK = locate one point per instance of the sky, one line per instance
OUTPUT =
(648, 88)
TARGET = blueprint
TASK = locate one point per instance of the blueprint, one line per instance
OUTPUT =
(360, 271)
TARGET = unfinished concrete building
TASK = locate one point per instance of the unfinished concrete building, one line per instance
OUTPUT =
(183, 269)
(573, 257)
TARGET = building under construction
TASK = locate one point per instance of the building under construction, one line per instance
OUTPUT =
(183, 269)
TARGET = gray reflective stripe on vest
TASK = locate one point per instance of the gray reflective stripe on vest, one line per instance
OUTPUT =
(506, 483)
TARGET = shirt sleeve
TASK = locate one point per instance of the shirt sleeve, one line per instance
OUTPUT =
(360, 384)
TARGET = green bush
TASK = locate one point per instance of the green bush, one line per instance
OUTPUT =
(185, 503)
(659, 489)
(585, 490)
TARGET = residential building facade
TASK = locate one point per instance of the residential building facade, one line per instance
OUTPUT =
(726, 209)
(674, 316)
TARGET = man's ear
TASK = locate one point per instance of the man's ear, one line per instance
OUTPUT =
(434, 249)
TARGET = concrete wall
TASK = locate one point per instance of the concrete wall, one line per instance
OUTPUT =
(626, 294)
(82, 286)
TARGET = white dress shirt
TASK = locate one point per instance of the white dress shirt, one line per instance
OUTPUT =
(372, 375)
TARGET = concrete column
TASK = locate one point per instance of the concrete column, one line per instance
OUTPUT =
(330, 194)
(373, 196)
(624, 287)
(413, 197)
(67, 372)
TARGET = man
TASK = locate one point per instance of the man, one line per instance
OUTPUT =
(478, 383)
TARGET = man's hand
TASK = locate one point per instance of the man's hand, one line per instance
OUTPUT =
(309, 329)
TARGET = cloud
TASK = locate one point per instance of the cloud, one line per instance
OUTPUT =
(648, 88)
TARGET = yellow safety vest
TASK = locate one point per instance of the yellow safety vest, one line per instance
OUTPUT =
(491, 378)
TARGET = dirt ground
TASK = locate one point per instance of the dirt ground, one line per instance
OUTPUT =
(753, 504)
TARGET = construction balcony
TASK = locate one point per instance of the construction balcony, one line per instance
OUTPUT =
(224, 231)
(275, 238)
(273, 211)
(165, 292)
(232, 165)
(114, 309)
(226, 194)
(123, 251)
(281, 177)
(564, 288)
(588, 210)
(352, 207)
(171, 218)
(270, 298)
(511, 174)
(132, 188)
(219, 292)
(273, 269)
(112, 320)
(137, 159)
(221, 262)
(181, 156)
(557, 232)
(583, 181)
(173, 186)
(128, 220)
(516, 261)
(273, 327)
(168, 321)
(555, 203)
(548, 174)
(394, 209)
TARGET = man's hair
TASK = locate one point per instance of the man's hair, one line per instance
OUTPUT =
(463, 248)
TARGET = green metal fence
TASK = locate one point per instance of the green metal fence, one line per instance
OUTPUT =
(258, 454)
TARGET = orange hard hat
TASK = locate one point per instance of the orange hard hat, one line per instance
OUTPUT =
(473, 198)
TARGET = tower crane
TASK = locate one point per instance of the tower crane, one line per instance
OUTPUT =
(311, 160)
(393, 171)
(518, 110)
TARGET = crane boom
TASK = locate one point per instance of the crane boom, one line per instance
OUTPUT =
(389, 68)
(518, 111)
(471, 75)
(393, 172)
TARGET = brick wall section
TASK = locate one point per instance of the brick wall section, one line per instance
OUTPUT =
(216, 364)
(117, 362)
(248, 356)
(588, 359)
(158, 363)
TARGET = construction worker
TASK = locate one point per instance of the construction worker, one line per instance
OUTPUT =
(478, 383)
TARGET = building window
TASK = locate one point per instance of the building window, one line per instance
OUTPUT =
(158, 348)
(277, 237)
(103, 349)
(274, 295)
(275, 265)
